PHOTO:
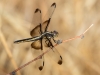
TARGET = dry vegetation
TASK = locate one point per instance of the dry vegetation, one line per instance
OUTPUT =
(71, 18)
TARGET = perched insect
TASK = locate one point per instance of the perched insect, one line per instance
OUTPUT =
(40, 34)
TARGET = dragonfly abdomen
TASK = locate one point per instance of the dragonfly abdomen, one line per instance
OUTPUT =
(28, 40)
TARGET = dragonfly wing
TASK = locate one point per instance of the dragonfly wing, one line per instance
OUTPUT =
(41, 26)
(37, 49)
(35, 32)
(37, 17)
(47, 17)
(37, 22)
(54, 54)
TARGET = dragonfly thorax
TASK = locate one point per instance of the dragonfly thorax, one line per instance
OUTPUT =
(49, 34)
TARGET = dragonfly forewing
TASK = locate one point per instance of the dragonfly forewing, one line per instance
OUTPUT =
(54, 54)
(46, 19)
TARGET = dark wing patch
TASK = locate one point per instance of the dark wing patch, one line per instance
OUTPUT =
(36, 45)
(54, 4)
(35, 31)
(36, 22)
(45, 25)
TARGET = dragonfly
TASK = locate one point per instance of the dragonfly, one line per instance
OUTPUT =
(41, 37)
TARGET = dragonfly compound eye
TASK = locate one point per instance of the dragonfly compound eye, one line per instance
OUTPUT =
(55, 33)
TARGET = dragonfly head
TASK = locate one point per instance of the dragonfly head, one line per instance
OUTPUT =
(55, 33)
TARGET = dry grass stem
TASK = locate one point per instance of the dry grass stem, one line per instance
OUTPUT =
(70, 18)
(8, 51)
(80, 36)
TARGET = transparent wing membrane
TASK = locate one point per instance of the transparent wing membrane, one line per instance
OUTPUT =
(36, 31)
(37, 18)
(58, 56)
(40, 62)
(46, 19)
(54, 54)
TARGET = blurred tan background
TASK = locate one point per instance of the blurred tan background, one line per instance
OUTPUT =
(71, 18)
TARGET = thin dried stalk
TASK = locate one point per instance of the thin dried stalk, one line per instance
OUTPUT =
(8, 52)
(80, 36)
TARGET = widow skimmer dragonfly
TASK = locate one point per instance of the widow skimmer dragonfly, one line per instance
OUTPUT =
(40, 33)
